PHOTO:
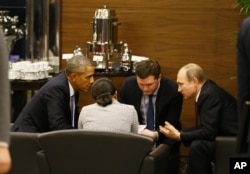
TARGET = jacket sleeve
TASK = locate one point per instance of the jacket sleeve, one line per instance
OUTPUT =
(4, 91)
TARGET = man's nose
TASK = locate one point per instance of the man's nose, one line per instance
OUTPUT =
(92, 79)
(179, 89)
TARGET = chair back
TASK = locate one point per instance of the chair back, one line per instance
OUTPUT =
(90, 152)
(23, 148)
(225, 148)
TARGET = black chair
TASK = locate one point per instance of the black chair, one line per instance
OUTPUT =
(91, 152)
(244, 128)
(225, 148)
(23, 149)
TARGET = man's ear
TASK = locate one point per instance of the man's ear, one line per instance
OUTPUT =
(159, 78)
(195, 80)
(72, 77)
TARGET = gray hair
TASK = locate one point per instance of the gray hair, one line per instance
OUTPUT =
(194, 70)
(77, 64)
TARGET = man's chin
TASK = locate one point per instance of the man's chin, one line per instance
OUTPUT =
(85, 90)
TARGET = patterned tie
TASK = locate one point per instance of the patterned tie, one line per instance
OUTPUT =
(72, 108)
(150, 113)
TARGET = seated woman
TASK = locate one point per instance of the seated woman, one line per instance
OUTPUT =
(107, 114)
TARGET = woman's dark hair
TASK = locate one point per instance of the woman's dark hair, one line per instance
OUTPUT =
(102, 91)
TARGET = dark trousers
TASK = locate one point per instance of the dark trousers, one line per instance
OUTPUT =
(201, 156)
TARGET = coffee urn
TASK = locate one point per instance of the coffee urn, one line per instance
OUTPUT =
(104, 50)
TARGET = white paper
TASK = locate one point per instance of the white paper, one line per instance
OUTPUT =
(141, 127)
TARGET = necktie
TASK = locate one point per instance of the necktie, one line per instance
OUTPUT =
(72, 108)
(150, 113)
(197, 116)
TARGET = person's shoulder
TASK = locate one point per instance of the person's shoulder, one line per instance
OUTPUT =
(58, 80)
(129, 81)
(211, 88)
(90, 107)
(247, 20)
(168, 83)
(126, 106)
(130, 78)
(245, 26)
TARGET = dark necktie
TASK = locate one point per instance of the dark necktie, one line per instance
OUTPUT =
(72, 108)
(197, 116)
(150, 113)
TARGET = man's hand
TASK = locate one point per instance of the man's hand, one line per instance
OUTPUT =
(170, 131)
(149, 133)
(5, 160)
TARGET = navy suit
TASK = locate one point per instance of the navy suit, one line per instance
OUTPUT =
(243, 76)
(168, 107)
(218, 116)
(48, 109)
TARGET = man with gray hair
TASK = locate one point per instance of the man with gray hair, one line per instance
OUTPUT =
(54, 106)
(216, 115)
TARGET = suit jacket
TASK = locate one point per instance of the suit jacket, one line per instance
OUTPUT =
(4, 90)
(243, 79)
(48, 109)
(218, 115)
(243, 70)
(168, 104)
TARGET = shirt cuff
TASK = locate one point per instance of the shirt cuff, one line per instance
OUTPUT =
(4, 144)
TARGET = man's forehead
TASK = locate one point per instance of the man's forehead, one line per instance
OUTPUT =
(181, 77)
(149, 78)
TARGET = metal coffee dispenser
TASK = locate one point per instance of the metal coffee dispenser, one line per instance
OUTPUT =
(106, 53)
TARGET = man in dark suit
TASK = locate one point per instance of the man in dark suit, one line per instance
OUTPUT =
(5, 158)
(243, 76)
(216, 115)
(167, 103)
(49, 109)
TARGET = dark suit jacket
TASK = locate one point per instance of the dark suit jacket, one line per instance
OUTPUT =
(218, 115)
(243, 78)
(48, 109)
(168, 104)
(243, 63)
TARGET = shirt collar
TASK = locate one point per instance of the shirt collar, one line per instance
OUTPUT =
(197, 96)
(157, 89)
(71, 90)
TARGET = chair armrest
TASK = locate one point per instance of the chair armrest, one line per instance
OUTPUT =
(42, 163)
(160, 152)
(156, 161)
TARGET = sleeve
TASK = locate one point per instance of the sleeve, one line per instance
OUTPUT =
(80, 121)
(4, 91)
(58, 109)
(134, 126)
(209, 109)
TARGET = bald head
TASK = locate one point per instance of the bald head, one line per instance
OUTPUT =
(190, 79)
